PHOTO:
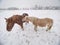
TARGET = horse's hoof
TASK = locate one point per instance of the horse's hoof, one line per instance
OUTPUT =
(46, 30)
(23, 29)
(35, 30)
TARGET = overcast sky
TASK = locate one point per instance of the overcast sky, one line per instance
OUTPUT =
(28, 3)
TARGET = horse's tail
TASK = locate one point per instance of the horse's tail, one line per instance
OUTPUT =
(50, 25)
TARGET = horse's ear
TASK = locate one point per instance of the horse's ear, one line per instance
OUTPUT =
(5, 18)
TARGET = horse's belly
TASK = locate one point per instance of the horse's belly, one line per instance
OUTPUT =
(42, 24)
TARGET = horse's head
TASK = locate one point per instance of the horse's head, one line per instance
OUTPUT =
(24, 15)
(25, 19)
(9, 24)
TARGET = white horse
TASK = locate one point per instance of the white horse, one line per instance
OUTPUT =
(39, 22)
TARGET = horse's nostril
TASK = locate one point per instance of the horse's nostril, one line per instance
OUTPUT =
(8, 30)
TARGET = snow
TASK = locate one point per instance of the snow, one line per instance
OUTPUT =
(29, 37)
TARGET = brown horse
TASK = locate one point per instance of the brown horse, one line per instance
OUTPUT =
(15, 19)
(39, 22)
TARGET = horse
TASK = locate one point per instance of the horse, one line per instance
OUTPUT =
(15, 19)
(39, 22)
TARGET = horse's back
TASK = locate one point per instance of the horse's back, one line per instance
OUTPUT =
(49, 20)
(16, 17)
(44, 21)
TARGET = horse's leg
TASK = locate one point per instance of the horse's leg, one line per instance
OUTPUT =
(35, 28)
(22, 26)
(49, 27)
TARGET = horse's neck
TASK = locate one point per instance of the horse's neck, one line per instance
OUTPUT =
(31, 19)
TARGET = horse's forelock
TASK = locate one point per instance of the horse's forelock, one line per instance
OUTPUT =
(25, 14)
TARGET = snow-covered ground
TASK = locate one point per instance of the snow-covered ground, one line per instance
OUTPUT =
(29, 37)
